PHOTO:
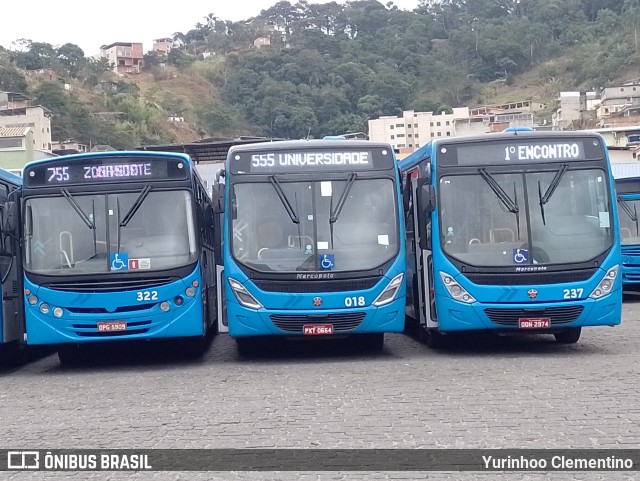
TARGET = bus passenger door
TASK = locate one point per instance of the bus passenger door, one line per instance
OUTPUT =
(423, 208)
(10, 267)
(218, 226)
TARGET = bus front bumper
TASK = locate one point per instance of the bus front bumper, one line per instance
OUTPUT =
(266, 322)
(458, 316)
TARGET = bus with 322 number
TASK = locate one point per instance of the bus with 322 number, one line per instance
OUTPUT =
(117, 246)
(312, 241)
(514, 232)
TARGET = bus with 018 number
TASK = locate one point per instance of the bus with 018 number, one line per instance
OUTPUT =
(117, 246)
(312, 241)
(515, 232)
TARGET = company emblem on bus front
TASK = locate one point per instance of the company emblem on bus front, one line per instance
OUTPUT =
(317, 301)
(532, 293)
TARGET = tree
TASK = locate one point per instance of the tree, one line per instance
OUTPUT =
(71, 57)
(11, 80)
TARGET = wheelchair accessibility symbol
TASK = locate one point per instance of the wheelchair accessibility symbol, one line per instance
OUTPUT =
(521, 256)
(119, 261)
(327, 262)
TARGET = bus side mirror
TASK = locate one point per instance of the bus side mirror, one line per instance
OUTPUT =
(10, 218)
(426, 205)
(427, 196)
(218, 199)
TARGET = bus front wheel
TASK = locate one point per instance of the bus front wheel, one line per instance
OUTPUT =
(433, 339)
(72, 355)
(373, 341)
(568, 336)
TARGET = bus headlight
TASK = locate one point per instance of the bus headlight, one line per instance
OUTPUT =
(243, 295)
(606, 284)
(164, 306)
(57, 311)
(44, 308)
(190, 292)
(390, 292)
(33, 300)
(456, 290)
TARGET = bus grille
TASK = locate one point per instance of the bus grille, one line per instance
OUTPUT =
(110, 286)
(631, 250)
(340, 322)
(557, 315)
(336, 285)
(528, 279)
(102, 310)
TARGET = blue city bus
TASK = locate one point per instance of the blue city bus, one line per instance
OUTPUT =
(117, 246)
(12, 327)
(514, 232)
(312, 241)
(628, 197)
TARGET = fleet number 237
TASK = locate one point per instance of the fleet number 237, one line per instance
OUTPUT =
(572, 293)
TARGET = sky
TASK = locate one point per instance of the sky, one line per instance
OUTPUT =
(92, 24)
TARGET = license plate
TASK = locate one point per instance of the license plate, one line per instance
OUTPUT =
(317, 329)
(112, 326)
(534, 323)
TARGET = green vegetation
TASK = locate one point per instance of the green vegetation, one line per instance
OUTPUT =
(330, 67)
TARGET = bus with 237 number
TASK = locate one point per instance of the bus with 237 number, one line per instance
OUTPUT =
(312, 241)
(514, 232)
(117, 246)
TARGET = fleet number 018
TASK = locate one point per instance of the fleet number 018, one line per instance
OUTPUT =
(354, 301)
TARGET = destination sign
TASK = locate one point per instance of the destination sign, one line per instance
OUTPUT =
(93, 170)
(271, 162)
(519, 152)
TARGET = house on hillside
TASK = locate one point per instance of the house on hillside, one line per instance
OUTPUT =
(126, 57)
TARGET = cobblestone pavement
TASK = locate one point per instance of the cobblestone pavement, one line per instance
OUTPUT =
(483, 393)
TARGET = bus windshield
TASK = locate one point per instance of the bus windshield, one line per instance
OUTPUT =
(338, 225)
(510, 219)
(629, 221)
(98, 233)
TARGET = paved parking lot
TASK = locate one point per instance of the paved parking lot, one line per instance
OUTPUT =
(484, 393)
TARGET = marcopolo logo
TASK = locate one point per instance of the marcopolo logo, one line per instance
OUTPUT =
(23, 460)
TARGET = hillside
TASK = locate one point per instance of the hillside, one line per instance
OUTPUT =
(328, 68)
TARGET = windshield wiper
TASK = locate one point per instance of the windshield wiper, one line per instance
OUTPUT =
(89, 223)
(633, 214)
(511, 205)
(283, 198)
(136, 205)
(335, 213)
(550, 190)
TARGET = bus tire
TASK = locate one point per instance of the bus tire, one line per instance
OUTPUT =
(71, 355)
(373, 341)
(568, 336)
(247, 346)
(433, 339)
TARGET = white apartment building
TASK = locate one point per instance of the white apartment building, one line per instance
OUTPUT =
(415, 129)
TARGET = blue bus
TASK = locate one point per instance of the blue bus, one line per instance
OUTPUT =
(312, 241)
(628, 197)
(117, 246)
(12, 312)
(512, 232)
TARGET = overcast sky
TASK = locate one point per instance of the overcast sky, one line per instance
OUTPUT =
(92, 24)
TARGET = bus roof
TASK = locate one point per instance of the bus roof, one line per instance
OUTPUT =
(419, 155)
(309, 144)
(9, 177)
(116, 153)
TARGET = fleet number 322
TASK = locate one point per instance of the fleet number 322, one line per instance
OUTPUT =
(572, 293)
(146, 296)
